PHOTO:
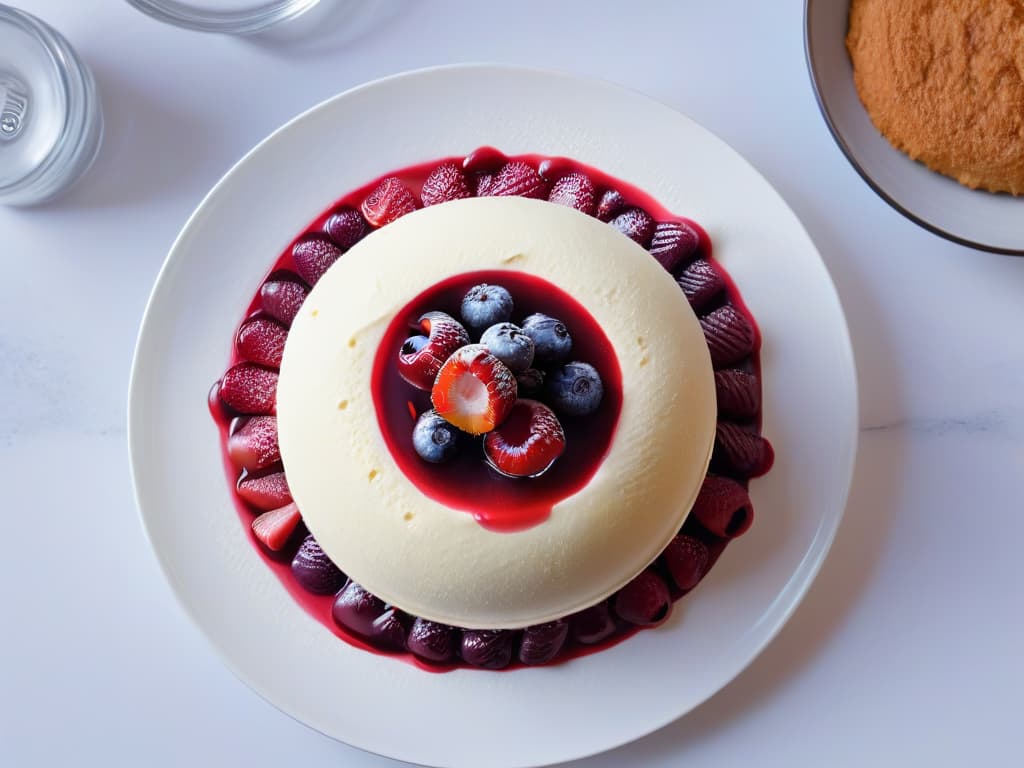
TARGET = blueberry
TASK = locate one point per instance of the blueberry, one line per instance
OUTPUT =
(434, 439)
(530, 382)
(551, 340)
(508, 343)
(575, 389)
(484, 305)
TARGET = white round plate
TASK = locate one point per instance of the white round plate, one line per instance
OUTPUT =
(970, 217)
(469, 717)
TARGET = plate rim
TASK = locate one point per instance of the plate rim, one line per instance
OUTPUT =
(851, 157)
(818, 547)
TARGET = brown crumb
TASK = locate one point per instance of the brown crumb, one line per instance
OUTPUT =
(943, 80)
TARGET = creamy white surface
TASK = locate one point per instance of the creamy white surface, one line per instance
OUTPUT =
(438, 562)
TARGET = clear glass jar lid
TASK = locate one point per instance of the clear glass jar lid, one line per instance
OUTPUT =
(236, 17)
(50, 118)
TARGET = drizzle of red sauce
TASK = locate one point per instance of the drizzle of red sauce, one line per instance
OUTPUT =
(485, 159)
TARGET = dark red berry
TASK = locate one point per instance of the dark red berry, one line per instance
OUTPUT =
(644, 601)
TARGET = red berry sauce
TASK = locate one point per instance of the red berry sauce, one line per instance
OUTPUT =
(467, 483)
(501, 503)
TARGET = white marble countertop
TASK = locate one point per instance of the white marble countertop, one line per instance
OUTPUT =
(906, 652)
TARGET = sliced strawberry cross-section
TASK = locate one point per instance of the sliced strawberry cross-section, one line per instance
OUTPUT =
(275, 527)
(265, 491)
(474, 390)
(254, 446)
(528, 443)
(390, 200)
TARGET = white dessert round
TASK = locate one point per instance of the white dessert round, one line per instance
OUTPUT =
(437, 562)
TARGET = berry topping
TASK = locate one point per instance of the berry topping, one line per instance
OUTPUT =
(282, 299)
(275, 527)
(514, 179)
(551, 340)
(701, 282)
(742, 449)
(729, 335)
(446, 182)
(531, 382)
(574, 190)
(434, 439)
(593, 624)
(484, 305)
(483, 160)
(262, 341)
(644, 601)
(346, 227)
(738, 393)
(314, 256)
(431, 641)
(723, 507)
(528, 443)
(254, 446)
(265, 491)
(314, 571)
(575, 389)
(474, 390)
(249, 388)
(609, 205)
(542, 642)
(687, 560)
(508, 343)
(388, 630)
(673, 243)
(487, 648)
(390, 200)
(635, 224)
(421, 357)
(356, 610)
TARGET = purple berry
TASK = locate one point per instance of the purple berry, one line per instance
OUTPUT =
(644, 601)
(542, 642)
(575, 389)
(673, 243)
(484, 305)
(611, 203)
(551, 340)
(346, 227)
(282, 299)
(487, 648)
(313, 257)
(592, 625)
(635, 224)
(431, 641)
(687, 560)
(435, 439)
(510, 344)
(356, 610)
(314, 571)
(530, 382)
(388, 630)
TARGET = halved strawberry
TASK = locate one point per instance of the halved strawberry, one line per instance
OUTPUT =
(282, 299)
(574, 190)
(390, 200)
(527, 443)
(446, 182)
(636, 224)
(262, 341)
(254, 446)
(474, 390)
(421, 357)
(514, 179)
(249, 388)
(265, 492)
(274, 528)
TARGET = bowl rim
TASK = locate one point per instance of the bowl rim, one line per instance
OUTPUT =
(851, 157)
